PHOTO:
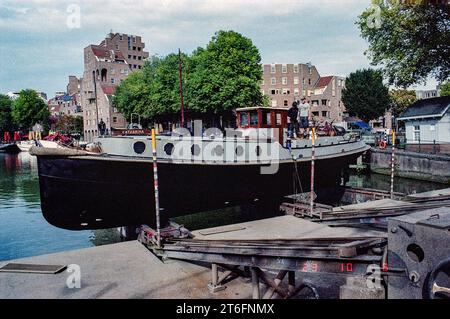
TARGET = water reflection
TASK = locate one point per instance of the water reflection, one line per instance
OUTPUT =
(402, 185)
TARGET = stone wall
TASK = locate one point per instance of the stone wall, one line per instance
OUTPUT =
(430, 167)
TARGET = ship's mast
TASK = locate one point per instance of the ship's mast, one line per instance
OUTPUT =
(180, 67)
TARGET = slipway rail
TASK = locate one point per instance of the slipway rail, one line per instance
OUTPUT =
(258, 259)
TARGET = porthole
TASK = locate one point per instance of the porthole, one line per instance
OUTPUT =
(139, 147)
(217, 151)
(195, 150)
(258, 150)
(415, 252)
(239, 150)
(168, 149)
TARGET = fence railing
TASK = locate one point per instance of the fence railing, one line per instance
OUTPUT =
(419, 145)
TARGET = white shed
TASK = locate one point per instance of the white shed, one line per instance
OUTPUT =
(427, 121)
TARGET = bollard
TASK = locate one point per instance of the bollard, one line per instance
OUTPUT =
(156, 186)
(392, 164)
(313, 155)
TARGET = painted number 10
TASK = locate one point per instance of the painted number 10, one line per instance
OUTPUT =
(347, 267)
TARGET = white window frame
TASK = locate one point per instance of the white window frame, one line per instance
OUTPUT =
(284, 68)
(274, 103)
(273, 69)
(416, 130)
(295, 68)
(273, 81)
(284, 80)
(296, 80)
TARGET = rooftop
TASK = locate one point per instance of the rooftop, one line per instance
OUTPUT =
(427, 108)
(324, 81)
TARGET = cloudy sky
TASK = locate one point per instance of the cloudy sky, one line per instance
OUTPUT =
(41, 41)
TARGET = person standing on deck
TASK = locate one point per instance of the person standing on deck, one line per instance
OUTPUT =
(304, 115)
(292, 117)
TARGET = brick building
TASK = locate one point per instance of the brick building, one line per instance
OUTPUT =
(65, 105)
(74, 85)
(105, 66)
(67, 102)
(286, 83)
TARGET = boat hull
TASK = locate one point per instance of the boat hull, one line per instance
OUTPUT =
(80, 193)
(11, 148)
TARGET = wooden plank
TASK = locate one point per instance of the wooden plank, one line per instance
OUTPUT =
(220, 230)
(33, 268)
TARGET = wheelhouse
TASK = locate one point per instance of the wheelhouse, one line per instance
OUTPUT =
(263, 117)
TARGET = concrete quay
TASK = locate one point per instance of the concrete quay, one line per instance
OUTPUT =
(124, 270)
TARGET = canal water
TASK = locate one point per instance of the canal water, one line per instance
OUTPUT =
(24, 232)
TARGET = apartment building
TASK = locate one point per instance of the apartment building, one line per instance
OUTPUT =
(65, 105)
(74, 85)
(286, 83)
(105, 66)
(67, 102)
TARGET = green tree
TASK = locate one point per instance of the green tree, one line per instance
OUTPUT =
(226, 75)
(133, 95)
(166, 87)
(5, 113)
(152, 92)
(401, 100)
(410, 42)
(365, 95)
(445, 89)
(69, 124)
(29, 109)
(217, 79)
